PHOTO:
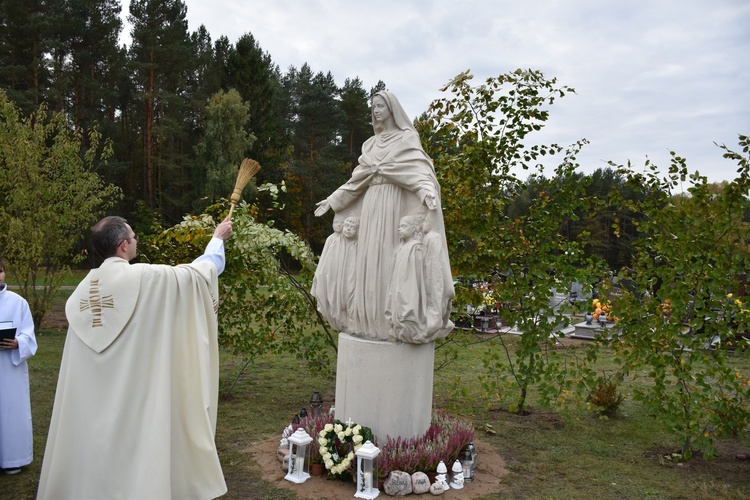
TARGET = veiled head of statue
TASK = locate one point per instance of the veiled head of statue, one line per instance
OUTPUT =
(400, 118)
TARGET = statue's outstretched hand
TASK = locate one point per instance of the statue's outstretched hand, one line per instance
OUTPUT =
(323, 207)
(431, 201)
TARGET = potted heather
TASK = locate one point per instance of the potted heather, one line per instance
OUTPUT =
(444, 440)
(313, 425)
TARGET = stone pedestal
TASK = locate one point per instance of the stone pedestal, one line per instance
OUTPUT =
(385, 386)
(592, 331)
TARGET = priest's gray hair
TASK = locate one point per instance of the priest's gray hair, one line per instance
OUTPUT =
(107, 234)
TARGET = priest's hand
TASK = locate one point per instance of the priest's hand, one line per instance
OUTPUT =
(224, 229)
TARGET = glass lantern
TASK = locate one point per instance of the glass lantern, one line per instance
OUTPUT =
(602, 319)
(367, 471)
(299, 457)
(467, 463)
(473, 451)
(316, 402)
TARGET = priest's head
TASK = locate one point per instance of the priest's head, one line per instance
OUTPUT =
(113, 237)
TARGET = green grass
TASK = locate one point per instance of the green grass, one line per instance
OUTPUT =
(549, 454)
(70, 278)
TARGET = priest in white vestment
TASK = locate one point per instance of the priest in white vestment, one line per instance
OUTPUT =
(134, 415)
(16, 438)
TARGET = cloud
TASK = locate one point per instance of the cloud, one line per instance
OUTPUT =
(650, 77)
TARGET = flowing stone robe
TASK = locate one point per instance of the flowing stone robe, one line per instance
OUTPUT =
(406, 309)
(325, 286)
(16, 438)
(135, 409)
(417, 308)
(437, 280)
(392, 179)
(345, 284)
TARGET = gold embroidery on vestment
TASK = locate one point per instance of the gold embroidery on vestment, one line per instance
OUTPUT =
(96, 303)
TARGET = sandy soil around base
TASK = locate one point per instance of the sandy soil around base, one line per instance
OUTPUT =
(490, 471)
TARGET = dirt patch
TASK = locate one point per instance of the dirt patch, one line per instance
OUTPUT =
(55, 319)
(490, 471)
(536, 419)
(731, 466)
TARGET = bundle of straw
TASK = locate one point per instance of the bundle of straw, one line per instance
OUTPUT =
(248, 169)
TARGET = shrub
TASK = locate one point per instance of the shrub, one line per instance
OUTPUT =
(606, 398)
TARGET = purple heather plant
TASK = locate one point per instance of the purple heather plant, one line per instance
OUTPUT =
(313, 425)
(444, 440)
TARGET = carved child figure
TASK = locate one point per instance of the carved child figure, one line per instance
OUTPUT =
(405, 307)
(346, 276)
(327, 275)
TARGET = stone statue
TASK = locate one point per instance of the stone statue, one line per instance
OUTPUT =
(345, 287)
(394, 178)
(438, 280)
(324, 286)
(405, 309)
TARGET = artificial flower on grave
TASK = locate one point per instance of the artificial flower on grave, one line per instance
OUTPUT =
(489, 301)
(337, 443)
(602, 307)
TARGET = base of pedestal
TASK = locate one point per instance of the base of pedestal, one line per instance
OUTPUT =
(385, 386)
(594, 330)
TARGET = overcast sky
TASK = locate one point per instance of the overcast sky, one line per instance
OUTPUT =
(650, 75)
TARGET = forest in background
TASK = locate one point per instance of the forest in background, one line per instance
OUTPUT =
(180, 110)
(167, 104)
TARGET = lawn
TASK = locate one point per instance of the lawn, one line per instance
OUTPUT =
(70, 278)
(548, 454)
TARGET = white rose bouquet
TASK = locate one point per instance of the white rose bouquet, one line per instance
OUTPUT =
(337, 443)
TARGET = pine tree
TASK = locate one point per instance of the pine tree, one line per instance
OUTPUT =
(23, 44)
(252, 73)
(316, 122)
(358, 123)
(161, 59)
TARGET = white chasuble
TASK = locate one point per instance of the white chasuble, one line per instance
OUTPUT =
(135, 409)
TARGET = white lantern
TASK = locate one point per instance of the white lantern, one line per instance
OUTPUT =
(367, 471)
(457, 478)
(442, 475)
(299, 456)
